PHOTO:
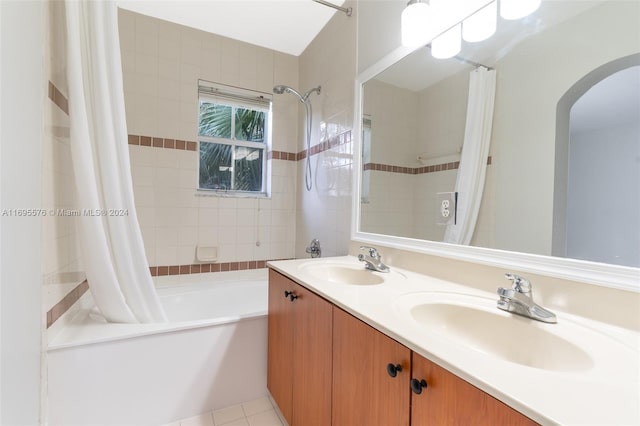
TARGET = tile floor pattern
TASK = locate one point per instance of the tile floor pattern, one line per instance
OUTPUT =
(258, 412)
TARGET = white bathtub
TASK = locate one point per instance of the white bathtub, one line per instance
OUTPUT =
(212, 354)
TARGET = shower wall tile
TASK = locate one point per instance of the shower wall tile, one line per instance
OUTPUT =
(325, 211)
(162, 63)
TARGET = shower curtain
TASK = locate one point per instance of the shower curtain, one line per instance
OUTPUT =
(473, 160)
(112, 248)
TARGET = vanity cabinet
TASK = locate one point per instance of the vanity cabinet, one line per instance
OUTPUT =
(299, 352)
(449, 400)
(371, 374)
(327, 367)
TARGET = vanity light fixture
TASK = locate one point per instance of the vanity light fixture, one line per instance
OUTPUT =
(447, 44)
(415, 23)
(417, 16)
(516, 9)
(482, 24)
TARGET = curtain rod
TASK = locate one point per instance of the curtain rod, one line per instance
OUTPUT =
(346, 10)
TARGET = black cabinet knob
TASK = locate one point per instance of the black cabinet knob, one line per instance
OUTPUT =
(393, 370)
(418, 385)
(290, 295)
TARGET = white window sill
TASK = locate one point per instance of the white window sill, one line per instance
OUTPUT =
(230, 194)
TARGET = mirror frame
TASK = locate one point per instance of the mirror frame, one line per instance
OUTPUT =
(602, 274)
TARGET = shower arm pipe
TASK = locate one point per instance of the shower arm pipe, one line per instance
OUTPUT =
(346, 10)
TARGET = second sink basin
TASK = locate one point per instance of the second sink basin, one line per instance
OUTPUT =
(476, 322)
(347, 271)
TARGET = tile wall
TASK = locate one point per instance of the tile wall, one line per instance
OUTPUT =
(325, 211)
(162, 63)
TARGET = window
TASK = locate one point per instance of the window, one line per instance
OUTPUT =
(233, 130)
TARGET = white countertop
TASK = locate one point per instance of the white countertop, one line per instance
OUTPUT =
(603, 391)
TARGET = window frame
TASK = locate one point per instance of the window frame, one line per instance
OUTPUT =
(236, 98)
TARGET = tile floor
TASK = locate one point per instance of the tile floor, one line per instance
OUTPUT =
(258, 412)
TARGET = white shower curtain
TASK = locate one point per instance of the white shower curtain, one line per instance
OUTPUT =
(475, 151)
(112, 248)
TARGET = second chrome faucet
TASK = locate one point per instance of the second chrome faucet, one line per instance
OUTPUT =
(519, 300)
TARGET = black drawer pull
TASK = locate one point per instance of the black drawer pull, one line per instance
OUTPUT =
(290, 295)
(393, 370)
(418, 385)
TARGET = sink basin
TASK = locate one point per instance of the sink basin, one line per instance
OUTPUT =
(477, 323)
(343, 273)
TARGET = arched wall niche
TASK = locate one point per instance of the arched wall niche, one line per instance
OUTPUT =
(561, 170)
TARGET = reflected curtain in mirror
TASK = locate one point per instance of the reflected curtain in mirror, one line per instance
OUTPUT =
(475, 151)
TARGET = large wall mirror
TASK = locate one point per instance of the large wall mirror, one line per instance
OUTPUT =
(561, 192)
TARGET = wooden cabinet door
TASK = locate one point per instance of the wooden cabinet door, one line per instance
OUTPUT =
(449, 400)
(312, 361)
(364, 394)
(280, 344)
(299, 352)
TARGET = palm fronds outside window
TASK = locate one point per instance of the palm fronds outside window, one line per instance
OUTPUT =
(232, 147)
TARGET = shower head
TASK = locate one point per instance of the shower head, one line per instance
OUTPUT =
(280, 89)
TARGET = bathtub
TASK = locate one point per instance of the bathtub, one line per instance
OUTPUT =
(212, 354)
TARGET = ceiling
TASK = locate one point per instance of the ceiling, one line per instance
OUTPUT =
(284, 25)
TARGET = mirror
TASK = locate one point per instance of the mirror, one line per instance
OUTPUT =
(413, 111)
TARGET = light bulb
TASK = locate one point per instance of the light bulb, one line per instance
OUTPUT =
(482, 24)
(415, 24)
(447, 44)
(516, 9)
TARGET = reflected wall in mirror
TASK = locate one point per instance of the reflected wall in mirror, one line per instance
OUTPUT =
(561, 180)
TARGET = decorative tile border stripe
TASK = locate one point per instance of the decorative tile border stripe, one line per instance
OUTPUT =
(415, 170)
(63, 306)
(282, 155)
(201, 268)
(58, 98)
(326, 145)
(163, 143)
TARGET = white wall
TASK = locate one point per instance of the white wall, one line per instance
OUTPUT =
(604, 202)
(378, 30)
(524, 133)
(22, 93)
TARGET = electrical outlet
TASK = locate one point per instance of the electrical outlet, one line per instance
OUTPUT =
(447, 207)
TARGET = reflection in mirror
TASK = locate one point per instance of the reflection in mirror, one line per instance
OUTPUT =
(542, 194)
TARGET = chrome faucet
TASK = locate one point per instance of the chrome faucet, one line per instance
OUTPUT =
(519, 300)
(314, 248)
(372, 261)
